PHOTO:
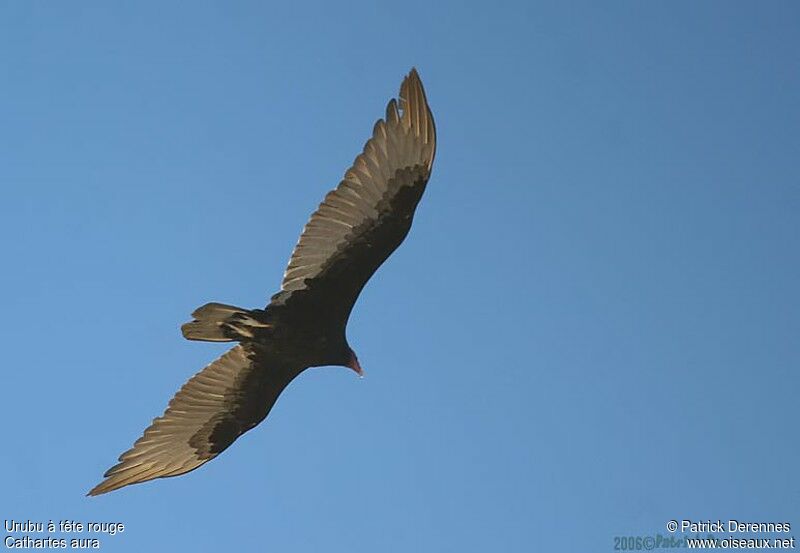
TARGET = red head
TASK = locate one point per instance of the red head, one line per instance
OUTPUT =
(353, 364)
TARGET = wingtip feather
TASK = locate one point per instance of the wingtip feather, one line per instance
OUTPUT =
(100, 489)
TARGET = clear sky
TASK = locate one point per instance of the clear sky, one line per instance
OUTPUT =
(591, 329)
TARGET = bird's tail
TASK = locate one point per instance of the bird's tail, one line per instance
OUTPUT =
(217, 322)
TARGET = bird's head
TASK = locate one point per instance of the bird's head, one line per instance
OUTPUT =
(352, 362)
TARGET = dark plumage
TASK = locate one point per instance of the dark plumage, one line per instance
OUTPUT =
(354, 230)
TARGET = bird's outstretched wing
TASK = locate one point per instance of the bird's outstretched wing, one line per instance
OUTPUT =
(367, 216)
(217, 405)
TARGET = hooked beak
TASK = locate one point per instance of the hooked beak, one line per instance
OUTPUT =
(354, 364)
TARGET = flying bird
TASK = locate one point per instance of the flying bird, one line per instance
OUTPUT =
(353, 231)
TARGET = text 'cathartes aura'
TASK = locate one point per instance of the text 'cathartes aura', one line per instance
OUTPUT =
(354, 230)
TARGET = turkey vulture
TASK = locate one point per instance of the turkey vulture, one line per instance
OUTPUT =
(354, 230)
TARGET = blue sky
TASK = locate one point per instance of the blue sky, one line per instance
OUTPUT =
(591, 329)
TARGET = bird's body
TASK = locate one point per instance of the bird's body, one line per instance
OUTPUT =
(354, 230)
